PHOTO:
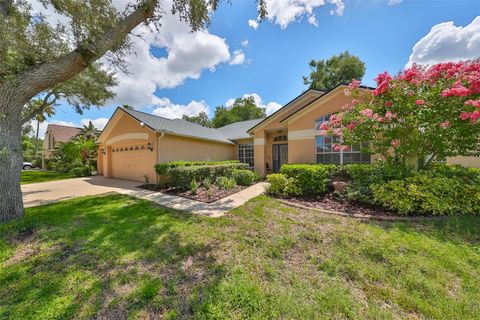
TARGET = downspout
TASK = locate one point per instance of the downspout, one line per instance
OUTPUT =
(162, 134)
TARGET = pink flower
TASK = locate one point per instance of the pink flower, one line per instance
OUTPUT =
(395, 143)
(354, 102)
(474, 116)
(410, 93)
(420, 102)
(351, 126)
(337, 132)
(323, 133)
(367, 112)
(445, 124)
(324, 125)
(347, 92)
(388, 103)
(382, 80)
(475, 103)
(464, 115)
(354, 84)
(458, 91)
(336, 147)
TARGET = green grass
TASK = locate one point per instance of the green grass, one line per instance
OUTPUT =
(34, 176)
(118, 257)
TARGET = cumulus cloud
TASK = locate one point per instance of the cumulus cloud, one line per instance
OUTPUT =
(284, 12)
(253, 23)
(270, 107)
(447, 42)
(167, 109)
(99, 123)
(245, 43)
(238, 57)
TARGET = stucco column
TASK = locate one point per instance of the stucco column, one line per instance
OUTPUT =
(259, 143)
(107, 168)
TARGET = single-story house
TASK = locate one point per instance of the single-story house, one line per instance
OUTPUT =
(133, 141)
(54, 135)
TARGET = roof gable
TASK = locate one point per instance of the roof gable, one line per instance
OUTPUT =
(62, 133)
(304, 98)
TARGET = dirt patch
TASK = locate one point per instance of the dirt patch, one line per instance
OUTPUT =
(203, 195)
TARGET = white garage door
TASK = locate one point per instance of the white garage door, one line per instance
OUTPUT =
(131, 162)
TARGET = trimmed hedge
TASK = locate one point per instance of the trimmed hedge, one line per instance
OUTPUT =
(280, 185)
(162, 168)
(245, 177)
(430, 192)
(311, 179)
(181, 176)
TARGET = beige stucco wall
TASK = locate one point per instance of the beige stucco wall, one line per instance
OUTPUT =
(131, 164)
(472, 162)
(173, 148)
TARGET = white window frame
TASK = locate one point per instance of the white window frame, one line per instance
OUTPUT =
(241, 153)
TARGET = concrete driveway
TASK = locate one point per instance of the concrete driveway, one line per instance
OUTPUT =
(36, 194)
(53, 191)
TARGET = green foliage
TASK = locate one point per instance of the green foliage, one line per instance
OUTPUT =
(430, 193)
(226, 183)
(280, 185)
(242, 109)
(364, 175)
(311, 179)
(201, 119)
(77, 156)
(194, 186)
(326, 74)
(181, 176)
(207, 183)
(162, 168)
(245, 177)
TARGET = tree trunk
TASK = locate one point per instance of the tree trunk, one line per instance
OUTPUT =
(36, 139)
(11, 204)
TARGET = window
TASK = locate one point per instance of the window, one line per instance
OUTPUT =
(280, 138)
(245, 153)
(326, 154)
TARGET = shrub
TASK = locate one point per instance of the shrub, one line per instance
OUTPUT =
(311, 179)
(194, 186)
(245, 177)
(429, 192)
(207, 183)
(280, 185)
(182, 176)
(162, 168)
(364, 175)
(226, 183)
(81, 171)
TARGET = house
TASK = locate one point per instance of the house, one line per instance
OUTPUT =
(54, 135)
(133, 141)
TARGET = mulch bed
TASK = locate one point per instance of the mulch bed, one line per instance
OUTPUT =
(329, 204)
(202, 195)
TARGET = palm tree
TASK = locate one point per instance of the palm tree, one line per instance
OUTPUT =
(47, 111)
(89, 132)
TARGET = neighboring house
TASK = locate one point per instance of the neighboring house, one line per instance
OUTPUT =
(133, 141)
(53, 136)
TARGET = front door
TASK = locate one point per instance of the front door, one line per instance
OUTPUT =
(280, 156)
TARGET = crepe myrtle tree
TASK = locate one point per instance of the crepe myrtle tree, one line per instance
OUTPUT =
(38, 58)
(421, 115)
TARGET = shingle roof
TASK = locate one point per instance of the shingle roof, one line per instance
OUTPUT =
(238, 130)
(178, 126)
(62, 133)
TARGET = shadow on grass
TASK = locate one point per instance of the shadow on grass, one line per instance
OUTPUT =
(104, 257)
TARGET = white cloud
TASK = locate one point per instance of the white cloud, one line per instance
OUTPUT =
(238, 57)
(253, 23)
(270, 107)
(245, 43)
(447, 42)
(168, 109)
(284, 12)
(394, 2)
(99, 123)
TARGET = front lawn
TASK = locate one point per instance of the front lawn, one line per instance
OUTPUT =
(116, 257)
(34, 176)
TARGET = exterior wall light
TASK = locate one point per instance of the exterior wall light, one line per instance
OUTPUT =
(142, 124)
(149, 146)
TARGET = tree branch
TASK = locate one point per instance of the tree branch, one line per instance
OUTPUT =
(34, 81)
(45, 103)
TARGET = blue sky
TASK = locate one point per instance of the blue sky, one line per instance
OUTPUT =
(276, 57)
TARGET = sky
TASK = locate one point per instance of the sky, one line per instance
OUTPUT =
(175, 72)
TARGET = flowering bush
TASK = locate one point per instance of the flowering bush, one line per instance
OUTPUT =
(420, 115)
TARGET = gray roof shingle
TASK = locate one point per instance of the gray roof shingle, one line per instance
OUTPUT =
(238, 130)
(179, 127)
